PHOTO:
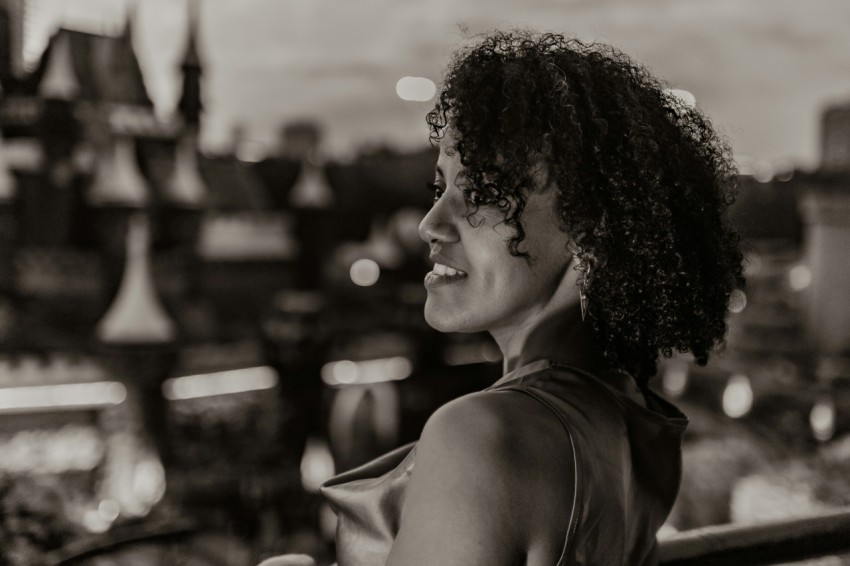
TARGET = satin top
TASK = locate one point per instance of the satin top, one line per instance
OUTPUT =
(626, 452)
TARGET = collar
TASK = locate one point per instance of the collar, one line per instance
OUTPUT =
(515, 376)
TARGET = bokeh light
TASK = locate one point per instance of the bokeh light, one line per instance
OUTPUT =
(674, 381)
(317, 464)
(104, 393)
(763, 171)
(94, 522)
(109, 509)
(800, 277)
(684, 96)
(417, 89)
(738, 396)
(347, 372)
(737, 301)
(344, 371)
(365, 272)
(822, 419)
(220, 383)
(149, 483)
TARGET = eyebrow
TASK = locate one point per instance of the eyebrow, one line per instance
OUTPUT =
(439, 171)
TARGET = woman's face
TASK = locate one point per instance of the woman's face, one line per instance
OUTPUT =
(476, 284)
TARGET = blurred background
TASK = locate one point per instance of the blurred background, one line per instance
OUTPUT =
(211, 278)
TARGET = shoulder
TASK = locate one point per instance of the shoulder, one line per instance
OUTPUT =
(500, 433)
(499, 425)
(492, 485)
(505, 455)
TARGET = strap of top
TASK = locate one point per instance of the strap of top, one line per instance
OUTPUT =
(575, 511)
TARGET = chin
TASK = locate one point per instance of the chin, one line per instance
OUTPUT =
(438, 321)
(446, 320)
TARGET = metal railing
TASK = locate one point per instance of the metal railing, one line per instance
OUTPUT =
(752, 545)
(173, 531)
(762, 544)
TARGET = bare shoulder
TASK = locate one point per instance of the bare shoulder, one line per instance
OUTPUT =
(493, 472)
(505, 436)
(499, 425)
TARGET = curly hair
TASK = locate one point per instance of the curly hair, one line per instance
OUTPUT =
(643, 181)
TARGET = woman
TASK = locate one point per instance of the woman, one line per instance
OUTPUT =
(578, 217)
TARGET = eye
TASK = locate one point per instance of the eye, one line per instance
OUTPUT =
(437, 189)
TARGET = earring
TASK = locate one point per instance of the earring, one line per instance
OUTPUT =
(582, 292)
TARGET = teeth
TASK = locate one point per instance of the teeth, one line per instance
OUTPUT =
(440, 269)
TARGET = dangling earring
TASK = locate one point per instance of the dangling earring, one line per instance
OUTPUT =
(582, 292)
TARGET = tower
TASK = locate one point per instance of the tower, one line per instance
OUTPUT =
(190, 104)
(122, 81)
(310, 200)
(136, 316)
(185, 192)
(137, 337)
(835, 138)
(46, 200)
(60, 78)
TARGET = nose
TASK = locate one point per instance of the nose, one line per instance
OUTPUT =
(439, 226)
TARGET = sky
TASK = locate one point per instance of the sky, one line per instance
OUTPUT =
(762, 70)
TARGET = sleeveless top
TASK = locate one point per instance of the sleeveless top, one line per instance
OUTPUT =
(626, 457)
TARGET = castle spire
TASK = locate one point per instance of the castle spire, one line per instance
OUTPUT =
(60, 79)
(311, 189)
(185, 186)
(136, 316)
(117, 179)
(190, 104)
(127, 84)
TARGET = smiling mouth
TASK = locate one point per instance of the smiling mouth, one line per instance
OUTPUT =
(443, 275)
(445, 270)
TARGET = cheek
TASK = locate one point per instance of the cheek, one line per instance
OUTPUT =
(489, 248)
(510, 273)
(512, 280)
(504, 280)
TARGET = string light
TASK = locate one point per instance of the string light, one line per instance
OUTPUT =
(219, 383)
(347, 372)
(65, 395)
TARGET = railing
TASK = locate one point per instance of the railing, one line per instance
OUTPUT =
(175, 531)
(762, 544)
(753, 545)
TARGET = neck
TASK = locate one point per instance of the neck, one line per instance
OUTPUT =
(561, 336)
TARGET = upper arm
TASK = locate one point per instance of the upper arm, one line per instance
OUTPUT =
(490, 484)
